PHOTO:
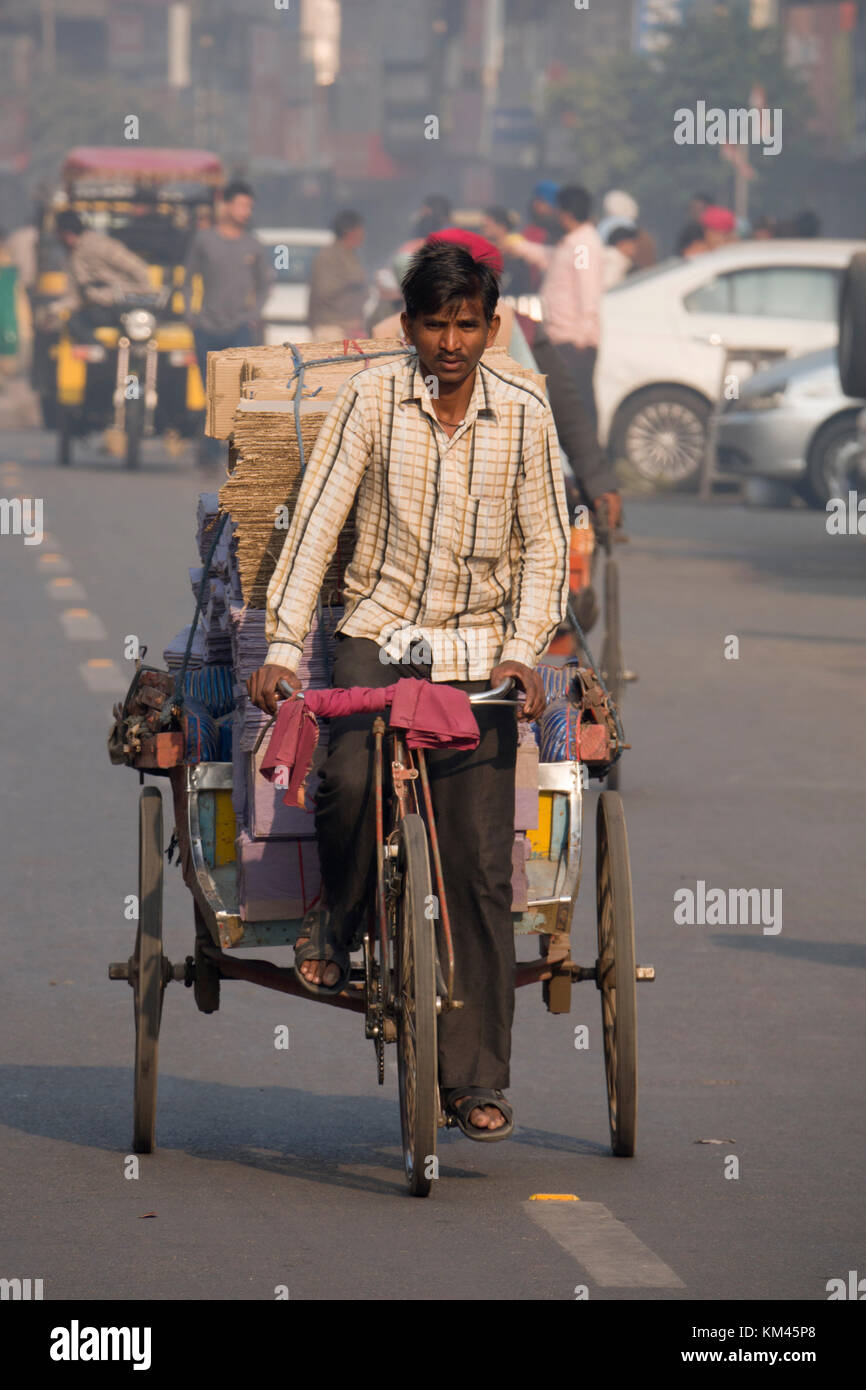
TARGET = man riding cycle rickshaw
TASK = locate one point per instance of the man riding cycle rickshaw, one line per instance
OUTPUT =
(462, 546)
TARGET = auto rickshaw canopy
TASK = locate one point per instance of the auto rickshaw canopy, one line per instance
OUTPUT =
(137, 165)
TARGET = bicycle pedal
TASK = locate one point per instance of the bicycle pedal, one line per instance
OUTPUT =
(630, 676)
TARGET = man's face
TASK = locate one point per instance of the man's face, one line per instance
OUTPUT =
(450, 341)
(69, 239)
(240, 209)
(354, 237)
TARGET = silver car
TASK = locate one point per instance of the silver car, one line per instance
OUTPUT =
(793, 424)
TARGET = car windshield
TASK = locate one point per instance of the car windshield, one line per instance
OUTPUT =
(292, 263)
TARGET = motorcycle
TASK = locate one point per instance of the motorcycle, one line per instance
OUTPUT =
(135, 377)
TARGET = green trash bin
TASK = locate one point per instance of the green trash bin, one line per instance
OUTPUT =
(8, 316)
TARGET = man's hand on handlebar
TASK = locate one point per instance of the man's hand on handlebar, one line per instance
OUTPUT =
(528, 680)
(262, 686)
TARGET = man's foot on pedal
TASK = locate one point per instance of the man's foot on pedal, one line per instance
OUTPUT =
(483, 1116)
(319, 972)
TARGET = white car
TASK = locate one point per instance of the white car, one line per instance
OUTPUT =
(672, 335)
(287, 306)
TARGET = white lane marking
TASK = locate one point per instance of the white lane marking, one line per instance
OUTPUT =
(611, 1254)
(53, 562)
(103, 675)
(80, 625)
(63, 587)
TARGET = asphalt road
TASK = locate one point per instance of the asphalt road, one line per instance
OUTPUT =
(283, 1168)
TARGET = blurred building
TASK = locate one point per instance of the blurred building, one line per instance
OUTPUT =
(375, 102)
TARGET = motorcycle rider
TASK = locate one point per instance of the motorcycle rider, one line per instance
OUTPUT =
(100, 268)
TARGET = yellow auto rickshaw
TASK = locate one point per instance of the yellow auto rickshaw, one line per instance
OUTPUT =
(137, 376)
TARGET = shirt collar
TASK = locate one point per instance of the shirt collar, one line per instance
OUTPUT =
(482, 401)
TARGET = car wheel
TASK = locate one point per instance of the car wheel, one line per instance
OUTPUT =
(852, 327)
(662, 434)
(834, 463)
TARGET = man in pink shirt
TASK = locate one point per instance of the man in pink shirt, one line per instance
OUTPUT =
(572, 287)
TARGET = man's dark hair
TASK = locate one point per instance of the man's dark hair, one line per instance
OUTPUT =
(235, 189)
(441, 274)
(69, 221)
(624, 233)
(575, 199)
(703, 198)
(346, 221)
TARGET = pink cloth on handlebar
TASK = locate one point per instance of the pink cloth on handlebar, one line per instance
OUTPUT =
(290, 749)
(434, 715)
(333, 704)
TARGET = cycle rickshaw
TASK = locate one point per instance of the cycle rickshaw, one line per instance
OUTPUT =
(404, 984)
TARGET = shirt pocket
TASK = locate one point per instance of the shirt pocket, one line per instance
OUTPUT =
(484, 530)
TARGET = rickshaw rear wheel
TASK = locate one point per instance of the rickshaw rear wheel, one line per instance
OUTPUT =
(149, 977)
(611, 652)
(415, 1005)
(615, 971)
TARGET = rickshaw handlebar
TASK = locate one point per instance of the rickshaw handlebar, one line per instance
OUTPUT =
(484, 697)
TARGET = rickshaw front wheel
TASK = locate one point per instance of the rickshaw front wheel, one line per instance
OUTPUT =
(415, 1005)
(149, 978)
(615, 971)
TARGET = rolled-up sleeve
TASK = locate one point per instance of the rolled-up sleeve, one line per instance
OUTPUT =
(540, 591)
(331, 479)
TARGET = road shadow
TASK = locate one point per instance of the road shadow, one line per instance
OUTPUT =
(847, 953)
(285, 1132)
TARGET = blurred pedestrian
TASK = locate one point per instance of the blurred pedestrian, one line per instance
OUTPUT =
(226, 282)
(698, 204)
(572, 288)
(435, 212)
(690, 241)
(719, 225)
(543, 226)
(619, 254)
(338, 286)
(620, 209)
(516, 279)
(764, 229)
(235, 276)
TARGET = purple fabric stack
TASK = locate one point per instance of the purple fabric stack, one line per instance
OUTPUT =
(277, 879)
(278, 864)
(173, 654)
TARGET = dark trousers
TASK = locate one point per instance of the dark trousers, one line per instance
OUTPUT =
(473, 801)
(581, 364)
